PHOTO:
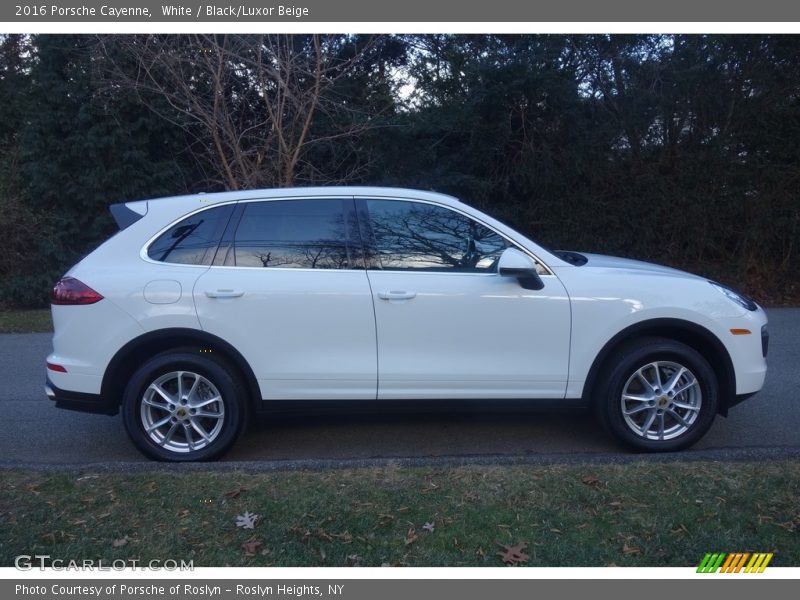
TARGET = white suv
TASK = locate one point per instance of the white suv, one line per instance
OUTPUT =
(203, 309)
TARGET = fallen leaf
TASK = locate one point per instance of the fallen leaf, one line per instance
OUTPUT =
(432, 487)
(554, 530)
(346, 537)
(514, 555)
(384, 519)
(251, 548)
(680, 530)
(247, 520)
(630, 550)
(592, 480)
(788, 526)
(428, 527)
(411, 536)
(234, 493)
(120, 542)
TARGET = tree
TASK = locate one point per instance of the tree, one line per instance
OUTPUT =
(251, 102)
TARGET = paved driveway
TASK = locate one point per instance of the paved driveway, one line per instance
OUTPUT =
(32, 430)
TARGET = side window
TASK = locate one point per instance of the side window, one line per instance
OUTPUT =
(426, 237)
(299, 234)
(192, 241)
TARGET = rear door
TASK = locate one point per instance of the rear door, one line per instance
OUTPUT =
(289, 290)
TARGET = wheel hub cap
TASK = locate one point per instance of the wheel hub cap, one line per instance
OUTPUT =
(661, 400)
(182, 411)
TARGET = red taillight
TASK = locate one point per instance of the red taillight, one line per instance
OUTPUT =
(69, 290)
(55, 367)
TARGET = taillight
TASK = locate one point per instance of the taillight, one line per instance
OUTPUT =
(69, 290)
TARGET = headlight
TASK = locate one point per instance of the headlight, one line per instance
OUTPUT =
(735, 296)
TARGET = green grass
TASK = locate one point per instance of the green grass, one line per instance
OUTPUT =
(25, 321)
(628, 515)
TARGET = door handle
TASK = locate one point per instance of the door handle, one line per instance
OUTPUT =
(224, 293)
(396, 295)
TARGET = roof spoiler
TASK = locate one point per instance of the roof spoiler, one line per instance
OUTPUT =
(127, 213)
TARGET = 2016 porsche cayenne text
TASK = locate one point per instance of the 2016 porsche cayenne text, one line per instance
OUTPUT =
(204, 309)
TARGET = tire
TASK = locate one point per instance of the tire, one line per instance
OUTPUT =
(200, 423)
(657, 395)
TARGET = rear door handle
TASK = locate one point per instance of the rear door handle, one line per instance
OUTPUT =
(224, 293)
(396, 295)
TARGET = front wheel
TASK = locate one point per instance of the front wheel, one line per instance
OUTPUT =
(183, 407)
(658, 395)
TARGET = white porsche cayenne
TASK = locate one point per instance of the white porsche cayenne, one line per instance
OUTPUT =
(205, 309)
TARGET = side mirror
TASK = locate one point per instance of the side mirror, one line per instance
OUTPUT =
(514, 263)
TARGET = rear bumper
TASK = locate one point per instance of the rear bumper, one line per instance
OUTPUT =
(80, 401)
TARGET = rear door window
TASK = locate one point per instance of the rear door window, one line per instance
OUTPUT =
(297, 234)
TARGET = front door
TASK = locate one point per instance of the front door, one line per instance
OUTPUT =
(448, 325)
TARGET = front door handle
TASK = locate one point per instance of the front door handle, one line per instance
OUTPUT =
(396, 295)
(224, 293)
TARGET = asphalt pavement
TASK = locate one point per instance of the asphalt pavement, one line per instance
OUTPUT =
(33, 433)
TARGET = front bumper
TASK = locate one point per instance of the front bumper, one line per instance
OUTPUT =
(80, 401)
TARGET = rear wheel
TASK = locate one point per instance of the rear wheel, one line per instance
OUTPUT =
(181, 406)
(657, 395)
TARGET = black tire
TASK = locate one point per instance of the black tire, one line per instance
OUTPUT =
(222, 420)
(674, 425)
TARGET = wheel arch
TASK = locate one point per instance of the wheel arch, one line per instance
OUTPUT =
(133, 354)
(686, 332)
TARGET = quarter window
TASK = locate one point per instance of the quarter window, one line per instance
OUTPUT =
(192, 241)
(299, 234)
(426, 237)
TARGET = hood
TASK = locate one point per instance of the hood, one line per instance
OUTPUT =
(602, 261)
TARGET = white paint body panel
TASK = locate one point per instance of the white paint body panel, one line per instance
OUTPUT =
(469, 335)
(329, 335)
(306, 333)
(609, 295)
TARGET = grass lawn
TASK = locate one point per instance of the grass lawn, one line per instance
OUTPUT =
(25, 321)
(627, 515)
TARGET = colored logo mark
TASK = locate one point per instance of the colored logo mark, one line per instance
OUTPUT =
(735, 562)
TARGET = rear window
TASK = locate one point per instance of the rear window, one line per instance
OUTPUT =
(194, 240)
